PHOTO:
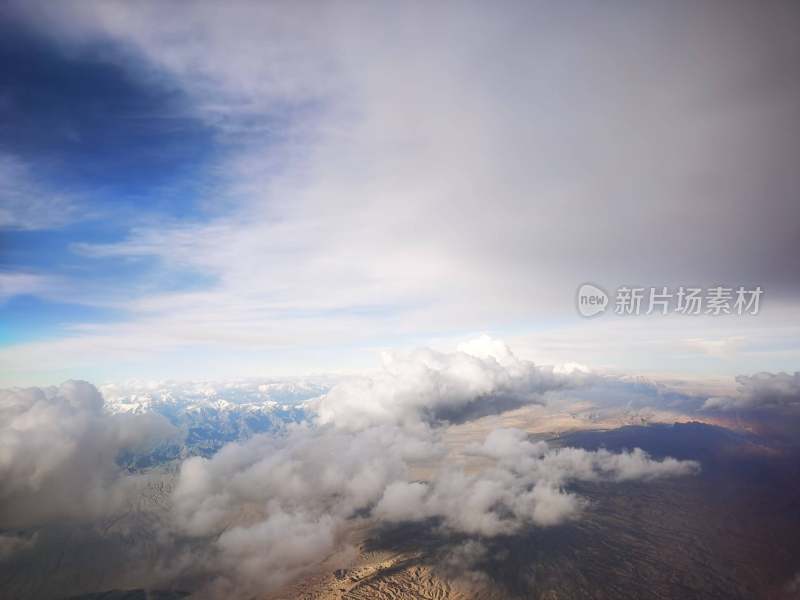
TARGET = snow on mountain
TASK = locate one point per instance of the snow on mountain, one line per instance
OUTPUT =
(257, 395)
(213, 413)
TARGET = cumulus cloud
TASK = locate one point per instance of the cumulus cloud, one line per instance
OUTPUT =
(760, 391)
(526, 486)
(306, 468)
(276, 506)
(58, 449)
(483, 377)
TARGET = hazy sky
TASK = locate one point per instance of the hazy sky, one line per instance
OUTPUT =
(206, 190)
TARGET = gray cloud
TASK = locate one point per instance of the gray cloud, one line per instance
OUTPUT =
(10, 545)
(58, 450)
(761, 391)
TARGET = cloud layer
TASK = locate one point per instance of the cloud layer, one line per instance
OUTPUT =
(411, 170)
(297, 495)
(262, 511)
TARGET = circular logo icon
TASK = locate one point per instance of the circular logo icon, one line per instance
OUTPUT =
(591, 300)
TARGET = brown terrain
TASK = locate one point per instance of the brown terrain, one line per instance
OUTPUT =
(732, 532)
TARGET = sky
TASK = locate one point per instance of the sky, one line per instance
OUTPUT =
(193, 191)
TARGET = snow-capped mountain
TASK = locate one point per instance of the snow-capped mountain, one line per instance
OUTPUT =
(210, 414)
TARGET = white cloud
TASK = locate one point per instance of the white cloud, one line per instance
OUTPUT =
(483, 377)
(58, 450)
(281, 505)
(721, 348)
(21, 283)
(276, 550)
(524, 487)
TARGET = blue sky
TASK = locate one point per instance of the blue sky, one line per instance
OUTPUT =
(118, 144)
(92, 124)
(275, 190)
